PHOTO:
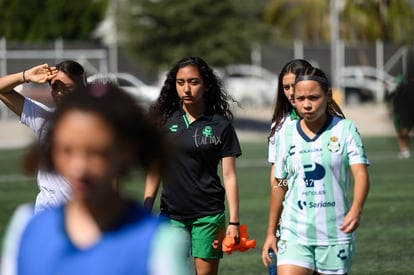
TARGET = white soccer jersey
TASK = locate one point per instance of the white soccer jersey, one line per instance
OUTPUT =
(286, 120)
(317, 173)
(54, 189)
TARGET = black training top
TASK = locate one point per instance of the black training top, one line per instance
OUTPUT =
(192, 188)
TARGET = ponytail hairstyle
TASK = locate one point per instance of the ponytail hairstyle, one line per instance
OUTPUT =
(319, 76)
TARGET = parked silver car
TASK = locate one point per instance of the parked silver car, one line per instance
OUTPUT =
(131, 84)
(364, 84)
(250, 85)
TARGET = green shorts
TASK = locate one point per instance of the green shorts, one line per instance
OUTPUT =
(403, 110)
(326, 259)
(205, 233)
(403, 121)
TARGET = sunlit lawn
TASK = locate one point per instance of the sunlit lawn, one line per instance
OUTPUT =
(385, 238)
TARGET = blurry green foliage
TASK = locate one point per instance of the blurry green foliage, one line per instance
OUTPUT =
(163, 31)
(359, 20)
(41, 20)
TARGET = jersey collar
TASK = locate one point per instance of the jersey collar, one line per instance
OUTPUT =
(324, 127)
(183, 114)
(293, 115)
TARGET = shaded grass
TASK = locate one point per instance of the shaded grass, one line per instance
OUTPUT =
(384, 238)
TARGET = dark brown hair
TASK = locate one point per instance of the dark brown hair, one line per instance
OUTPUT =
(282, 105)
(319, 76)
(216, 100)
(74, 71)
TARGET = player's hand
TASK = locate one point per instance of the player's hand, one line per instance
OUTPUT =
(233, 231)
(40, 74)
(351, 221)
(269, 243)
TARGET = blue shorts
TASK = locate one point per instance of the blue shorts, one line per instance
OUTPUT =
(326, 259)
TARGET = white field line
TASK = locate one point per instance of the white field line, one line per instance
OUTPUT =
(15, 178)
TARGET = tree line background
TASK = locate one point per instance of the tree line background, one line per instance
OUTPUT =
(156, 33)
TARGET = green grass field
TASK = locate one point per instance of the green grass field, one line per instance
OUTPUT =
(385, 237)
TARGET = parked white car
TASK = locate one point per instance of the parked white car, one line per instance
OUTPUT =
(250, 85)
(363, 83)
(131, 84)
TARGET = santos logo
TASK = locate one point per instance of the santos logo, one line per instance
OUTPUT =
(322, 204)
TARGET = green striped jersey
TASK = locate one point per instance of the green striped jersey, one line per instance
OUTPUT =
(318, 177)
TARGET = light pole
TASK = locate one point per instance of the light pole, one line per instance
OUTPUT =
(334, 42)
(113, 44)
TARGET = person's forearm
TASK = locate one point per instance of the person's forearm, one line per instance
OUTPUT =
(151, 187)
(277, 194)
(231, 187)
(272, 221)
(232, 193)
(273, 215)
(8, 82)
(361, 186)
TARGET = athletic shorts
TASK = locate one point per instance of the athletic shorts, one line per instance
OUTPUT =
(206, 232)
(403, 120)
(326, 259)
(403, 110)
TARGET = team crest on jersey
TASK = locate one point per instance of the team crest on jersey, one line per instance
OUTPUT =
(208, 131)
(334, 145)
